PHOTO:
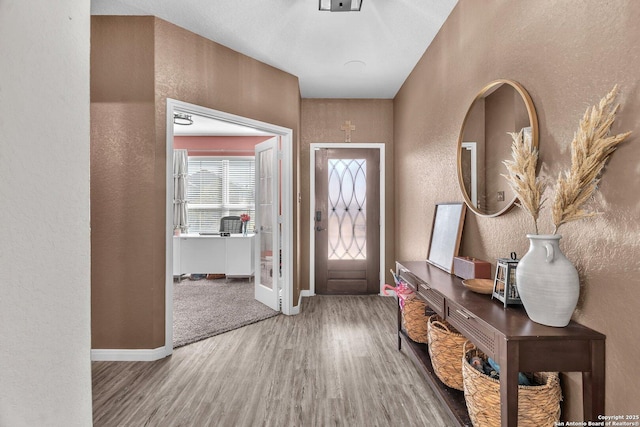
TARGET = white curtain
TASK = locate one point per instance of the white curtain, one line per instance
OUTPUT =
(180, 158)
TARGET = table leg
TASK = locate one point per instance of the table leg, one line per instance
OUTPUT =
(509, 368)
(593, 383)
(399, 324)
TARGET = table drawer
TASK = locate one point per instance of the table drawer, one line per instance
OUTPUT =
(432, 298)
(473, 328)
(408, 277)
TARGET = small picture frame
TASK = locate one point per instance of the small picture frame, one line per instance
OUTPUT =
(446, 232)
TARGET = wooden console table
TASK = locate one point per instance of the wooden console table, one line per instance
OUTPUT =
(509, 337)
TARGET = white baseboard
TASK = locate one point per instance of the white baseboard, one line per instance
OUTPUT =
(126, 355)
(296, 309)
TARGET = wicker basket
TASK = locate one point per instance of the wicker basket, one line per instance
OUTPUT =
(537, 405)
(446, 350)
(414, 319)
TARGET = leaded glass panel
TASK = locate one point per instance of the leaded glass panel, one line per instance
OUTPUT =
(347, 229)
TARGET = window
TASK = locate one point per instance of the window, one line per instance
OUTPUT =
(219, 187)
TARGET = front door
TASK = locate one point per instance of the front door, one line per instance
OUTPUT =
(267, 259)
(347, 221)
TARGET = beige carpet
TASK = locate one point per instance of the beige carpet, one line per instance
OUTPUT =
(204, 308)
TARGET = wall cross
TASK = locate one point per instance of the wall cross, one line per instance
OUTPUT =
(347, 127)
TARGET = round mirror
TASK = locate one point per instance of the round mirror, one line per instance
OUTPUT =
(501, 106)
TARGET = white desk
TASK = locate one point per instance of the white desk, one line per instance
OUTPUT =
(232, 255)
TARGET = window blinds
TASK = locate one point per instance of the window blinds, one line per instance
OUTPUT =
(219, 187)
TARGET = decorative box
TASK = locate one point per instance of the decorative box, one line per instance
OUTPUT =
(471, 268)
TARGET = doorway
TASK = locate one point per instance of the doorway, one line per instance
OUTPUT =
(347, 219)
(283, 281)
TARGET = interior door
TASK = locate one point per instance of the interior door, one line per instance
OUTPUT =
(267, 268)
(347, 221)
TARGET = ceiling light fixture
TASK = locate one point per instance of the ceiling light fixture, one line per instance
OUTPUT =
(182, 119)
(341, 5)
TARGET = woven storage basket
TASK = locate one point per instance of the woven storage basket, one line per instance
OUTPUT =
(414, 318)
(537, 405)
(446, 351)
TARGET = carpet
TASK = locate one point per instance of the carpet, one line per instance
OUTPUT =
(204, 308)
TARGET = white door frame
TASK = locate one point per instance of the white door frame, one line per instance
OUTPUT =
(286, 137)
(472, 148)
(312, 235)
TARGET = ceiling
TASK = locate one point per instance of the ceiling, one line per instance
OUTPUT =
(202, 126)
(366, 54)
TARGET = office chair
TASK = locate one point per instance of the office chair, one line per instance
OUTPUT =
(230, 224)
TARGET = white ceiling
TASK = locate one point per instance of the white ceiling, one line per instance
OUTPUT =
(211, 127)
(366, 54)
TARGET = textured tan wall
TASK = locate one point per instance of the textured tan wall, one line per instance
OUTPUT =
(193, 69)
(125, 299)
(137, 62)
(321, 122)
(567, 55)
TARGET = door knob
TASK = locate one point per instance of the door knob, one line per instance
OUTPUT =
(320, 228)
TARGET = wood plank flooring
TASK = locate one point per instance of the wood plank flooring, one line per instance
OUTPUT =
(335, 364)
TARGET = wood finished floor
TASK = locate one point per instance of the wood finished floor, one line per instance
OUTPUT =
(335, 364)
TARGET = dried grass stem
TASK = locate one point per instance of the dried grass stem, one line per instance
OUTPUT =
(522, 175)
(591, 148)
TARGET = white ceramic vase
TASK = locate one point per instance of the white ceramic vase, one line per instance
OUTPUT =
(547, 281)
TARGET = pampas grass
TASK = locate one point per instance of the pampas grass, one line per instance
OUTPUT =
(522, 175)
(591, 148)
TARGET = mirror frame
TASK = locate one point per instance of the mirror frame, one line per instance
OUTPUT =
(533, 120)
